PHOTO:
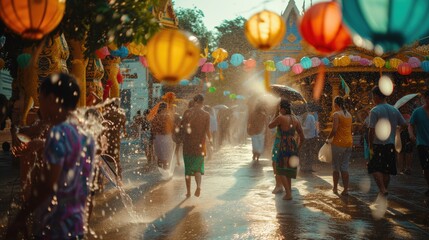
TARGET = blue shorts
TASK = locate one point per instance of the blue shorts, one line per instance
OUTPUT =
(340, 158)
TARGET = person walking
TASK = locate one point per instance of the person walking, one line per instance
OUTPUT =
(196, 127)
(256, 123)
(342, 142)
(59, 200)
(162, 130)
(308, 153)
(286, 146)
(405, 156)
(419, 133)
(382, 162)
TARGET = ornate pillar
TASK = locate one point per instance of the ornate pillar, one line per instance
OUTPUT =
(94, 88)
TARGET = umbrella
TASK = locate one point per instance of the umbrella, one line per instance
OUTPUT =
(403, 100)
(220, 106)
(288, 93)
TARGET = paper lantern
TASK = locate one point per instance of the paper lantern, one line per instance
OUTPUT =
(122, 52)
(265, 30)
(2, 63)
(23, 60)
(306, 62)
(289, 61)
(223, 65)
(404, 69)
(236, 59)
(379, 62)
(344, 61)
(321, 26)
(336, 62)
(102, 53)
(184, 82)
(202, 61)
(208, 67)
(297, 68)
(172, 55)
(137, 49)
(394, 62)
(387, 65)
(219, 55)
(388, 24)
(425, 66)
(270, 65)
(226, 93)
(281, 67)
(249, 64)
(325, 61)
(355, 58)
(212, 89)
(32, 19)
(414, 62)
(364, 62)
(315, 61)
(232, 96)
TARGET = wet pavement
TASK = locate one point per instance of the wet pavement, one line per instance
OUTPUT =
(236, 203)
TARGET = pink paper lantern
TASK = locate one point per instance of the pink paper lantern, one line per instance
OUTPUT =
(414, 62)
(297, 68)
(364, 62)
(404, 69)
(355, 58)
(202, 61)
(207, 67)
(315, 61)
(102, 53)
(249, 64)
(289, 61)
(143, 61)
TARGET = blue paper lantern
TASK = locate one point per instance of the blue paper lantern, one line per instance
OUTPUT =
(122, 52)
(226, 93)
(425, 66)
(222, 65)
(388, 24)
(196, 81)
(239, 97)
(281, 67)
(306, 63)
(184, 82)
(325, 61)
(236, 59)
(23, 60)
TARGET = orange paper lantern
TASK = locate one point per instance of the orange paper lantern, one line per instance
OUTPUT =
(172, 55)
(265, 30)
(322, 27)
(32, 19)
(404, 68)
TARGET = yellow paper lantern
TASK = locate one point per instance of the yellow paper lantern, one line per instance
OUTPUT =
(336, 62)
(32, 19)
(137, 49)
(379, 62)
(345, 61)
(219, 55)
(173, 55)
(265, 30)
(394, 63)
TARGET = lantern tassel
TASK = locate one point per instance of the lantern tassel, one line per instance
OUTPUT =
(220, 74)
(267, 81)
(320, 83)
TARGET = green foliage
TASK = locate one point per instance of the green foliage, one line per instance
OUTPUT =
(103, 22)
(191, 20)
(230, 36)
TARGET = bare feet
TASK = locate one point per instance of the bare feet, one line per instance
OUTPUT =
(197, 192)
(286, 197)
(335, 191)
(277, 190)
(188, 195)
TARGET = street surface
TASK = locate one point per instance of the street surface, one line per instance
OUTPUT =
(236, 203)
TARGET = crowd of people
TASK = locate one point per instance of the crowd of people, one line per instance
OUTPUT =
(66, 160)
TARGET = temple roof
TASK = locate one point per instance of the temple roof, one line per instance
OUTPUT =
(165, 14)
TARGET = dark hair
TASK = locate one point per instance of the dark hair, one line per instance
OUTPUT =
(139, 112)
(376, 91)
(426, 93)
(341, 103)
(285, 104)
(146, 112)
(64, 87)
(162, 106)
(199, 98)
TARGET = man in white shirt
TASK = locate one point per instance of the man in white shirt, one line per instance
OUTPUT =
(308, 151)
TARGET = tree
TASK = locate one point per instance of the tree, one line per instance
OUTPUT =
(230, 36)
(191, 20)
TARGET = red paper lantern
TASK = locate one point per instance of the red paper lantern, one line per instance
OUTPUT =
(404, 69)
(297, 68)
(322, 27)
(249, 64)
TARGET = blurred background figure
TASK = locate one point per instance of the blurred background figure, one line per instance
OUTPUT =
(309, 146)
(256, 126)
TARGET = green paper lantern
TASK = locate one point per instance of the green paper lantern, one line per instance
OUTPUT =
(23, 60)
(212, 89)
(232, 96)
